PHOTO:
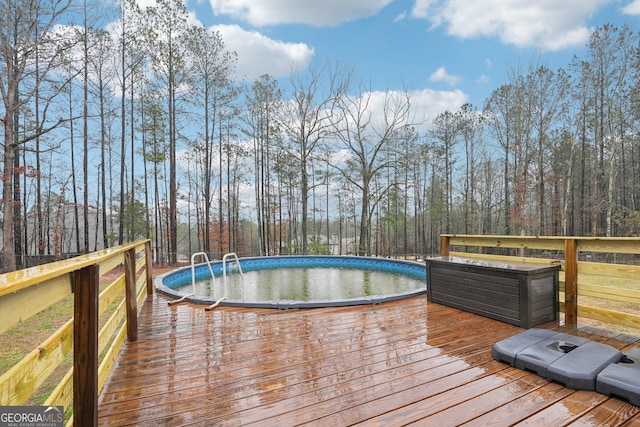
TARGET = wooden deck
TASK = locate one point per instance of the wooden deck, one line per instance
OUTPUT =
(399, 363)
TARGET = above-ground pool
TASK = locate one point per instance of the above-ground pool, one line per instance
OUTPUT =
(298, 281)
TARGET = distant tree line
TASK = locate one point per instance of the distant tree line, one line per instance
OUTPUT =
(141, 131)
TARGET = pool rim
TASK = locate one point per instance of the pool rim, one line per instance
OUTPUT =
(291, 304)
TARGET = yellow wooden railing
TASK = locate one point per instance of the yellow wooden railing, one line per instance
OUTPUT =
(93, 344)
(573, 274)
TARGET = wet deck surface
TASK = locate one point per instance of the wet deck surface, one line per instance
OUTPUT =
(398, 363)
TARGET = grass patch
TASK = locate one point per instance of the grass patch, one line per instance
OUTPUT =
(20, 340)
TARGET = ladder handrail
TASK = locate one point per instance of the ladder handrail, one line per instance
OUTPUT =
(193, 276)
(224, 277)
(224, 269)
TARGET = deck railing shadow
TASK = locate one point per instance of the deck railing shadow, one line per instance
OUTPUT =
(605, 278)
(93, 340)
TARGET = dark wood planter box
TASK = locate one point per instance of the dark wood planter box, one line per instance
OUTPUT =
(521, 294)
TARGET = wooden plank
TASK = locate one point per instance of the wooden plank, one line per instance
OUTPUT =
(24, 378)
(571, 408)
(85, 344)
(444, 245)
(523, 407)
(610, 293)
(130, 295)
(109, 264)
(17, 280)
(479, 403)
(514, 242)
(611, 316)
(606, 269)
(338, 345)
(571, 282)
(623, 245)
(62, 395)
(110, 356)
(619, 245)
(433, 410)
(111, 326)
(148, 267)
(141, 245)
(434, 394)
(142, 296)
(611, 412)
(140, 264)
(295, 401)
(141, 283)
(245, 351)
(397, 362)
(111, 293)
(24, 303)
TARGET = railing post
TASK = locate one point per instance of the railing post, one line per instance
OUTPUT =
(130, 292)
(444, 245)
(148, 267)
(571, 281)
(85, 346)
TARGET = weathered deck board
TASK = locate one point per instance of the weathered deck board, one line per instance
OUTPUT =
(396, 363)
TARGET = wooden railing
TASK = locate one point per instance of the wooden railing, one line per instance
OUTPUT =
(573, 275)
(25, 293)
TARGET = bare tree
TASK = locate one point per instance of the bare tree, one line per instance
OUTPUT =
(262, 126)
(166, 32)
(508, 118)
(549, 91)
(24, 30)
(602, 88)
(211, 68)
(308, 119)
(445, 134)
(365, 130)
(103, 74)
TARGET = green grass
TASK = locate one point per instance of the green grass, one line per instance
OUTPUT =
(20, 340)
(9, 358)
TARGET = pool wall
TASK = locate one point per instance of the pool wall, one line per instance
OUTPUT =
(169, 282)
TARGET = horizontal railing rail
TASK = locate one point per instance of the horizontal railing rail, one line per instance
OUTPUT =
(596, 280)
(92, 335)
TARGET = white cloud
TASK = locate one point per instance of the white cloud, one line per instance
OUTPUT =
(632, 8)
(258, 54)
(483, 79)
(401, 17)
(312, 12)
(426, 104)
(441, 75)
(545, 24)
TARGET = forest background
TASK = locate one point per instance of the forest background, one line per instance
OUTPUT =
(140, 131)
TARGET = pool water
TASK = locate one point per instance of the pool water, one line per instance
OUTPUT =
(297, 281)
(304, 284)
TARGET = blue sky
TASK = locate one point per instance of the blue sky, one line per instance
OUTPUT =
(449, 51)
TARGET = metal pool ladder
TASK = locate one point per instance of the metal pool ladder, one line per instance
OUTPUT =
(235, 262)
(193, 276)
(224, 269)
